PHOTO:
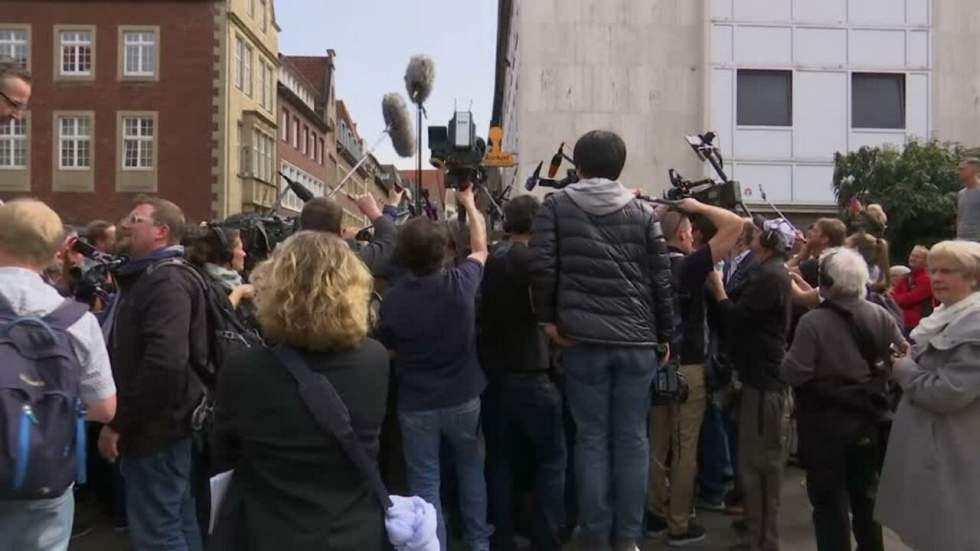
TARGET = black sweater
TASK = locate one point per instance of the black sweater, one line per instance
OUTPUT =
(300, 490)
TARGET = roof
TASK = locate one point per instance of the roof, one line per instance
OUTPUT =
(343, 113)
(315, 69)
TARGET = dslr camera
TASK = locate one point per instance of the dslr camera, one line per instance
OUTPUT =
(457, 149)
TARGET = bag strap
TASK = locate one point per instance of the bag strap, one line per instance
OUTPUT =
(330, 412)
(864, 341)
(66, 315)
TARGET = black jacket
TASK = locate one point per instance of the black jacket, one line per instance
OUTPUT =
(602, 275)
(757, 318)
(158, 342)
(301, 491)
(376, 253)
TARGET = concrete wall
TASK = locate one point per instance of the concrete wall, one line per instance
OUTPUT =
(956, 80)
(631, 66)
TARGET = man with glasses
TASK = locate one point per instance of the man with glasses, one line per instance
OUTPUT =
(15, 90)
(158, 340)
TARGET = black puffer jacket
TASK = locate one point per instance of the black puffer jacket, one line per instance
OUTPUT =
(600, 269)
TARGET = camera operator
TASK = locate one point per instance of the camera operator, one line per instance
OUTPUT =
(757, 318)
(824, 234)
(428, 321)
(675, 428)
(522, 405)
(601, 288)
(101, 235)
(326, 215)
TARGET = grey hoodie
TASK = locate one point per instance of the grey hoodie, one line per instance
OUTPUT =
(599, 196)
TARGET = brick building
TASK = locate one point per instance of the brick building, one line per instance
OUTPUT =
(434, 182)
(307, 122)
(350, 149)
(110, 117)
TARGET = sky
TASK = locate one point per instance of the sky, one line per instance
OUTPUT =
(374, 40)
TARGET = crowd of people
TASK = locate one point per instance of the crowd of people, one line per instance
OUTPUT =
(601, 373)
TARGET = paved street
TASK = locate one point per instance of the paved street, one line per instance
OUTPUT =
(797, 531)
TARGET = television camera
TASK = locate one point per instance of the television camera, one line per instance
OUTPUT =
(457, 149)
(94, 281)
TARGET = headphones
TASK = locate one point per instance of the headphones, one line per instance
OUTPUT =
(771, 239)
(224, 252)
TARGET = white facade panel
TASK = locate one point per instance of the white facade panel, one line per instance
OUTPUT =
(721, 44)
(814, 184)
(918, 49)
(722, 117)
(821, 47)
(876, 12)
(918, 13)
(820, 11)
(874, 48)
(876, 139)
(917, 105)
(763, 45)
(721, 9)
(775, 179)
(763, 144)
(763, 10)
(819, 114)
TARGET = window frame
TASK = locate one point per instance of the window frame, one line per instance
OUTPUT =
(59, 52)
(12, 43)
(16, 143)
(122, 60)
(788, 73)
(284, 121)
(902, 78)
(76, 139)
(239, 62)
(247, 77)
(144, 144)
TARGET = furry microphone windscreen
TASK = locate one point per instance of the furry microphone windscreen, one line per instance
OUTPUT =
(399, 124)
(419, 75)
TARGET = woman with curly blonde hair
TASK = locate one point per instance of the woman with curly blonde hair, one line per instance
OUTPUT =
(299, 487)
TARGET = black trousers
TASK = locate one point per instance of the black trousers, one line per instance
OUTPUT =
(524, 429)
(846, 481)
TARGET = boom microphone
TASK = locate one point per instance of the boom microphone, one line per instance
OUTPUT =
(301, 191)
(556, 162)
(532, 181)
(399, 124)
(419, 75)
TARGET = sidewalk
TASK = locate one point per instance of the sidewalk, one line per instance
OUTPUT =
(796, 528)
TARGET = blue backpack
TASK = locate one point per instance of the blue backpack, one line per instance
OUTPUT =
(42, 417)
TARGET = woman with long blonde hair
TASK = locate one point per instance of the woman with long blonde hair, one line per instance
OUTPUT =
(300, 491)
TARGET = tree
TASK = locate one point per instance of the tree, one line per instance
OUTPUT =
(916, 186)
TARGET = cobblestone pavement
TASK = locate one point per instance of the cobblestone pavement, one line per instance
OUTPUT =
(796, 530)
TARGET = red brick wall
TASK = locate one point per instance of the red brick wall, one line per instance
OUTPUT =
(182, 98)
(295, 156)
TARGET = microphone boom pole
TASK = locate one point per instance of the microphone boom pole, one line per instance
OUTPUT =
(358, 165)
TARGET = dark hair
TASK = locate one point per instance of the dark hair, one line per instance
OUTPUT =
(203, 245)
(600, 154)
(9, 68)
(422, 245)
(704, 226)
(875, 253)
(519, 214)
(321, 214)
(96, 230)
(165, 213)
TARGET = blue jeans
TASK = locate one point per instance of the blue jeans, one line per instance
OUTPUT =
(423, 432)
(158, 500)
(608, 393)
(715, 461)
(37, 525)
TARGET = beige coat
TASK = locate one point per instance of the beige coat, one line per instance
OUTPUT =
(930, 485)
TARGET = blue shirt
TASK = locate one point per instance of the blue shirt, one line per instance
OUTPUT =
(430, 324)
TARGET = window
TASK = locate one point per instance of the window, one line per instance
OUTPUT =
(247, 77)
(263, 86)
(243, 151)
(239, 62)
(877, 100)
(765, 98)
(76, 52)
(75, 142)
(251, 8)
(137, 143)
(13, 144)
(140, 53)
(306, 140)
(295, 133)
(271, 79)
(312, 145)
(265, 16)
(13, 44)
(284, 126)
(320, 156)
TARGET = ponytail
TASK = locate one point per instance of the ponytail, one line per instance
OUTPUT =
(882, 262)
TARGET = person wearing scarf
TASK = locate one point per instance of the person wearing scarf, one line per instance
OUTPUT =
(930, 485)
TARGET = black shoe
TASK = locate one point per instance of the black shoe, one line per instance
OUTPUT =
(656, 525)
(695, 533)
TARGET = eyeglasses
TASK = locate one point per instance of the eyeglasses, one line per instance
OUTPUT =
(16, 106)
(138, 219)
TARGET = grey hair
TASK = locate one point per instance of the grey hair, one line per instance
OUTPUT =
(847, 269)
(9, 68)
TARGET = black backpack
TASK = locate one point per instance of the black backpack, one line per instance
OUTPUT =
(42, 417)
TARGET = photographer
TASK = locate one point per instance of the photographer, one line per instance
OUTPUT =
(522, 406)
(757, 317)
(674, 428)
(428, 322)
(601, 288)
(326, 215)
